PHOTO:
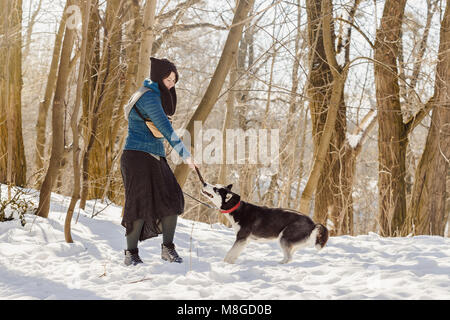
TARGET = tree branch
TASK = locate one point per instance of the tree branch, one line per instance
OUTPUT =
(180, 27)
(414, 121)
(181, 6)
(359, 30)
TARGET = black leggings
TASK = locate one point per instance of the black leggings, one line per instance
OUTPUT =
(169, 224)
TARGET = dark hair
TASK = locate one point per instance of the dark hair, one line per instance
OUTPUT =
(161, 69)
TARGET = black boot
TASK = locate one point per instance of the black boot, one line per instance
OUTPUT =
(169, 253)
(132, 257)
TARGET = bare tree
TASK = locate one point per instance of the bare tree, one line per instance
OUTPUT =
(101, 102)
(74, 125)
(333, 198)
(148, 37)
(44, 105)
(334, 90)
(428, 210)
(57, 123)
(13, 167)
(131, 45)
(392, 135)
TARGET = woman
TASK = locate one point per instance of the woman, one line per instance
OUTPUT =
(153, 197)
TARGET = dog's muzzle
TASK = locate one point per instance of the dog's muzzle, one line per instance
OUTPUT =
(207, 194)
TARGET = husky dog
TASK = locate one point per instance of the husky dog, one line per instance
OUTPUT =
(251, 222)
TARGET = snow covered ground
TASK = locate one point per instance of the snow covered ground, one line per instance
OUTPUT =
(36, 263)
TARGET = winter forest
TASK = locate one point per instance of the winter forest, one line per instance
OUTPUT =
(358, 92)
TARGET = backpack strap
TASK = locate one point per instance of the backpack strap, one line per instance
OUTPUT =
(132, 101)
(140, 114)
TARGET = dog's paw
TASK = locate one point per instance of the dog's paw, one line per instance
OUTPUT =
(229, 259)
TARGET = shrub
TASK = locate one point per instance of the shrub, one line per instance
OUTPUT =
(16, 207)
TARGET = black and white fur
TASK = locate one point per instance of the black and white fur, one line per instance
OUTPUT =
(292, 229)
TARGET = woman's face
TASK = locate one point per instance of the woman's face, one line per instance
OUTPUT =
(169, 82)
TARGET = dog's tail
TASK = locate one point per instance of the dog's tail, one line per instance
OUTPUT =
(322, 236)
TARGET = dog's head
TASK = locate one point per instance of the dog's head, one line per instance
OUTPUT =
(222, 197)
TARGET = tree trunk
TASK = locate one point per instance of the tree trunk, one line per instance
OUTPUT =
(333, 197)
(392, 135)
(57, 124)
(245, 58)
(114, 186)
(41, 123)
(213, 90)
(343, 220)
(148, 37)
(339, 75)
(89, 95)
(97, 157)
(320, 79)
(12, 153)
(227, 123)
(274, 188)
(74, 125)
(107, 91)
(428, 202)
(301, 157)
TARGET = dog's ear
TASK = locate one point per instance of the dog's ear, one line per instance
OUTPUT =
(229, 186)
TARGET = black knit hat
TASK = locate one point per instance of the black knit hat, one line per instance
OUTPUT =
(159, 70)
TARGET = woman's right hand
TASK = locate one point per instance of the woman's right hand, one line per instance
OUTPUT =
(191, 163)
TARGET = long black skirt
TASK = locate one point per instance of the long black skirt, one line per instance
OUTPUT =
(151, 192)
